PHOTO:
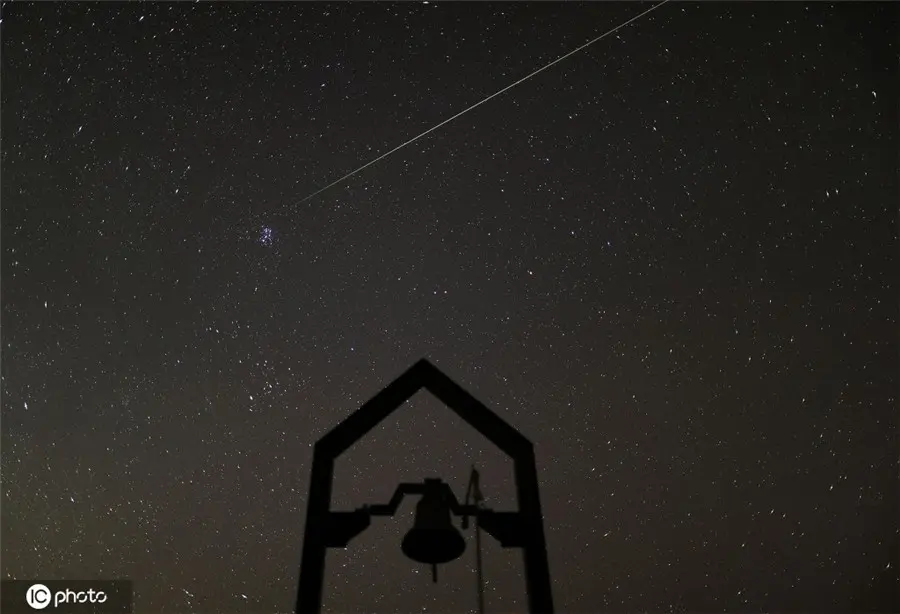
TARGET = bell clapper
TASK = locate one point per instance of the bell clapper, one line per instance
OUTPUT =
(434, 573)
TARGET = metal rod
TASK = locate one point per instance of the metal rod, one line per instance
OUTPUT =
(475, 490)
(478, 566)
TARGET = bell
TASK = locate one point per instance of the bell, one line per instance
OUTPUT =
(433, 539)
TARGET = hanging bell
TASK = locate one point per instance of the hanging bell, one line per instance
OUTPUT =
(433, 540)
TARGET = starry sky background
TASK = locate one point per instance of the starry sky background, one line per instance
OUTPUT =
(667, 260)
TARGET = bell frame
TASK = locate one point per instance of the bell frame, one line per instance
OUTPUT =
(327, 529)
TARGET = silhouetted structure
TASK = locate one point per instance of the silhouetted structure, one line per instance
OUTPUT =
(522, 529)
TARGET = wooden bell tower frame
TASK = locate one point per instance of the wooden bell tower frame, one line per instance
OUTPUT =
(327, 529)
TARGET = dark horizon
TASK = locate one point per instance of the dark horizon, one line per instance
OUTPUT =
(669, 261)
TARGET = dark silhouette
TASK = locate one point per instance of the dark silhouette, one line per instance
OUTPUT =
(433, 539)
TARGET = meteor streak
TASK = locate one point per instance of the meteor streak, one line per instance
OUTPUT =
(481, 102)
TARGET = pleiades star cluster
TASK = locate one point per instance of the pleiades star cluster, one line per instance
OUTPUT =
(670, 260)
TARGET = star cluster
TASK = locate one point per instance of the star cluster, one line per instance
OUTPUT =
(669, 260)
(266, 236)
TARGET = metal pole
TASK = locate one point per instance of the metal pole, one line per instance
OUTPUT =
(477, 496)
(478, 563)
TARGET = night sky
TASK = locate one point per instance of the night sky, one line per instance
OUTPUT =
(669, 260)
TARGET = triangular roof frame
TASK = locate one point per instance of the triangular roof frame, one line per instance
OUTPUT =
(421, 375)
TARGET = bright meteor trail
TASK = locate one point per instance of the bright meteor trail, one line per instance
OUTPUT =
(481, 102)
